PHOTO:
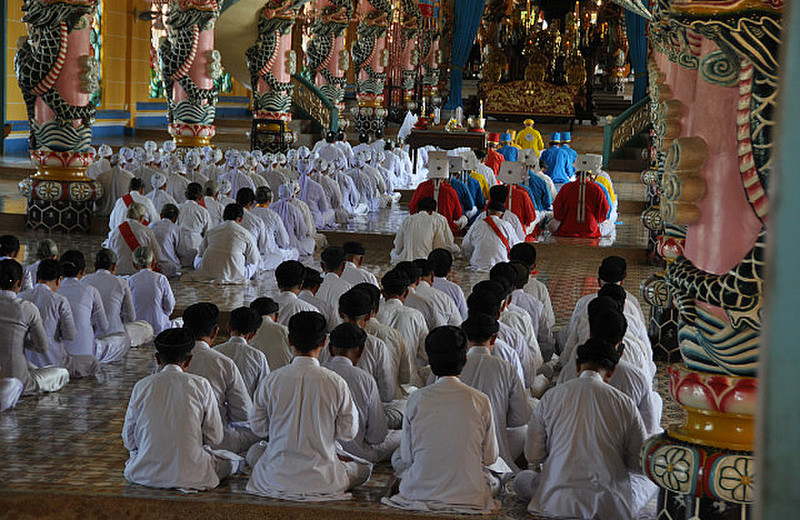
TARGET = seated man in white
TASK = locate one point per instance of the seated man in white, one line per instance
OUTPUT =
(410, 323)
(159, 196)
(304, 409)
(171, 238)
(445, 311)
(123, 204)
(442, 262)
(333, 260)
(499, 381)
(272, 338)
(22, 329)
(353, 269)
(421, 233)
(251, 362)
(194, 219)
(490, 239)
(228, 252)
(309, 293)
(278, 245)
(289, 276)
(129, 235)
(117, 301)
(58, 322)
(46, 248)
(586, 437)
(373, 442)
(233, 401)
(153, 300)
(448, 438)
(172, 416)
(9, 249)
(89, 313)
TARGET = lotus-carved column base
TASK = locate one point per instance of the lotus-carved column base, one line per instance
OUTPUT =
(370, 115)
(705, 468)
(189, 135)
(60, 197)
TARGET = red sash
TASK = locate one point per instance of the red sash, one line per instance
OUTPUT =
(127, 234)
(128, 200)
(202, 201)
(489, 220)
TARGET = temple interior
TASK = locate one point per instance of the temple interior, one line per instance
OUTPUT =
(669, 111)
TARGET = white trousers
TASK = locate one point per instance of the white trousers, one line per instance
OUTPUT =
(10, 390)
(111, 348)
(140, 332)
(237, 438)
(49, 379)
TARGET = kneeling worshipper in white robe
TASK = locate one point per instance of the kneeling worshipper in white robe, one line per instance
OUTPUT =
(304, 409)
(448, 438)
(278, 245)
(373, 442)
(311, 285)
(128, 236)
(234, 403)
(177, 181)
(290, 276)
(294, 221)
(497, 379)
(354, 271)
(313, 195)
(272, 338)
(101, 161)
(489, 240)
(210, 202)
(135, 194)
(46, 248)
(58, 322)
(333, 286)
(9, 250)
(251, 362)
(228, 253)
(172, 240)
(246, 198)
(159, 196)
(587, 437)
(333, 192)
(115, 181)
(22, 329)
(89, 314)
(442, 262)
(117, 301)
(152, 295)
(421, 233)
(194, 219)
(172, 418)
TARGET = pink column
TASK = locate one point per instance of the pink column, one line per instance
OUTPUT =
(410, 56)
(327, 56)
(370, 62)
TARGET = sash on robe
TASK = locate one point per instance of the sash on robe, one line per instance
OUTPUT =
(127, 235)
(128, 200)
(493, 226)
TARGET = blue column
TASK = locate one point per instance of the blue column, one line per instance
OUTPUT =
(778, 448)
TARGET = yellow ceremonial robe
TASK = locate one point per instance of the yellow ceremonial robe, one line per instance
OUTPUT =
(528, 138)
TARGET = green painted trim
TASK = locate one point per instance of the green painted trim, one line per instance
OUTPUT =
(608, 130)
(325, 101)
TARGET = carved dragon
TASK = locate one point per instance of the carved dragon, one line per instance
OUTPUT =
(410, 29)
(177, 52)
(371, 28)
(38, 64)
(331, 24)
(276, 20)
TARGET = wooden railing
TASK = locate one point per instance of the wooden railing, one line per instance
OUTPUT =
(313, 103)
(624, 128)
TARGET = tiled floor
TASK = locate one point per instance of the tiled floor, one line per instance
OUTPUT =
(65, 449)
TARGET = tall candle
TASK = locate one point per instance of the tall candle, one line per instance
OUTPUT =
(480, 115)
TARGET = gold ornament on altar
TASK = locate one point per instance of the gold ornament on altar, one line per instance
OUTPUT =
(575, 68)
(494, 66)
(537, 67)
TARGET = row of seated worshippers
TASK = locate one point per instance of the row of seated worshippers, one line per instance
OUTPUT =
(451, 399)
(65, 323)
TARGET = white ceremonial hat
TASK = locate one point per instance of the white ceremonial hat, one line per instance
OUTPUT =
(512, 172)
(456, 163)
(438, 168)
(590, 162)
(529, 157)
(158, 180)
(470, 161)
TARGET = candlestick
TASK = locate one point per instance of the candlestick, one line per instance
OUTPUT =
(480, 115)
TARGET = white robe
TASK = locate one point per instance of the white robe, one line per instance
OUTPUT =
(90, 319)
(171, 416)
(484, 248)
(120, 312)
(410, 323)
(289, 305)
(444, 308)
(227, 254)
(356, 275)
(332, 288)
(588, 436)
(272, 339)
(174, 252)
(117, 243)
(448, 437)
(159, 198)
(58, 323)
(251, 362)
(153, 299)
(303, 409)
(278, 246)
(120, 211)
(195, 220)
(419, 234)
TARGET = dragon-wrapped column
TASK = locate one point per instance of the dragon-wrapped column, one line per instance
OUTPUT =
(410, 56)
(714, 93)
(430, 56)
(370, 58)
(57, 74)
(327, 57)
(189, 67)
(271, 63)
